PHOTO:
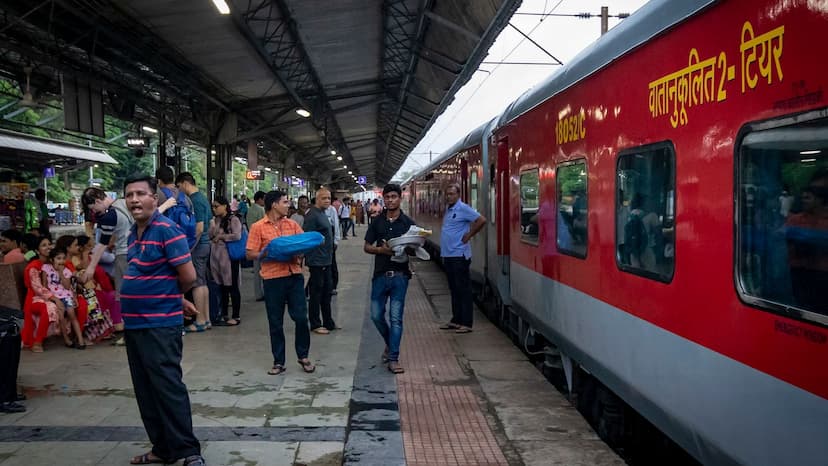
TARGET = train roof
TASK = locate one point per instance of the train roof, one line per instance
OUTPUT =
(473, 138)
(649, 21)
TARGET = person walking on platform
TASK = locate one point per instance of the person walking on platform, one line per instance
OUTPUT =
(390, 281)
(283, 283)
(460, 223)
(158, 273)
(333, 217)
(255, 214)
(318, 261)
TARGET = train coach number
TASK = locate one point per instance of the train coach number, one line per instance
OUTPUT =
(570, 128)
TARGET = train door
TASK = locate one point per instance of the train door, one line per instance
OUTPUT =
(502, 203)
(498, 244)
(464, 178)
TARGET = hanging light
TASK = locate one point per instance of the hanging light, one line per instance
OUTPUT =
(302, 112)
(222, 7)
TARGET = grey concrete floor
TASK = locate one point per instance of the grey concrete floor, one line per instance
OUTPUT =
(82, 411)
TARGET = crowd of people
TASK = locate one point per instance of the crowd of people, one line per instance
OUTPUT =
(163, 253)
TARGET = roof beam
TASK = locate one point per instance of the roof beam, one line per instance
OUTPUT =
(282, 51)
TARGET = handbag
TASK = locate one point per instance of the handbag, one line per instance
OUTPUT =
(236, 249)
(98, 322)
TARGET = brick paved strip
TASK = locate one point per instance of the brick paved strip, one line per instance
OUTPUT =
(137, 434)
(441, 417)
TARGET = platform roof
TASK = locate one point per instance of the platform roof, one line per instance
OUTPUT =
(27, 153)
(374, 74)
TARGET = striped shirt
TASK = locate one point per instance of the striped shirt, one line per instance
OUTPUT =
(150, 295)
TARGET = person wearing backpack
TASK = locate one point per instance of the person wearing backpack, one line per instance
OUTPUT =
(201, 251)
(176, 205)
(114, 221)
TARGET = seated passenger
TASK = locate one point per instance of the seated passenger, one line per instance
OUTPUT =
(42, 309)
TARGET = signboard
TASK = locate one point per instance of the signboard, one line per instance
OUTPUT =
(362, 180)
(49, 172)
(138, 142)
(254, 175)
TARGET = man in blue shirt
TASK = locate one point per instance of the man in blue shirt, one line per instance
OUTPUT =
(460, 224)
(158, 273)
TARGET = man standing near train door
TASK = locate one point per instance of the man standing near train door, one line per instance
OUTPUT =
(460, 223)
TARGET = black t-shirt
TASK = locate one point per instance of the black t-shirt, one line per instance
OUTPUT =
(381, 229)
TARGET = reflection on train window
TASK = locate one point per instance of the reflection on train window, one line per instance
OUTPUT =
(529, 206)
(572, 209)
(645, 211)
(474, 189)
(782, 220)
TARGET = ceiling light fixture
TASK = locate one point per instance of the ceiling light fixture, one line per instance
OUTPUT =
(150, 130)
(339, 157)
(302, 112)
(344, 166)
(810, 152)
(333, 151)
(350, 172)
(222, 7)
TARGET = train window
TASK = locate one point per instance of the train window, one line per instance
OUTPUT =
(645, 211)
(529, 188)
(572, 208)
(782, 219)
(473, 189)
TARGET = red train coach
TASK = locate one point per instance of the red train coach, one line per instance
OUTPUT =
(660, 214)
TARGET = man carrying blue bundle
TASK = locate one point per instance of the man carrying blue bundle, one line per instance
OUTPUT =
(283, 282)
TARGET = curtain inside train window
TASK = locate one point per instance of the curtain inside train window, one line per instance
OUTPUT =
(782, 219)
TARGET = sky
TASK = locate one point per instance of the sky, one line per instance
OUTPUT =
(494, 86)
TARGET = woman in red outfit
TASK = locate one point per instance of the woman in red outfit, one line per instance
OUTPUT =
(40, 301)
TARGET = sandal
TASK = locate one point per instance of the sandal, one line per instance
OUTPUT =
(385, 355)
(146, 458)
(195, 460)
(463, 330)
(232, 322)
(276, 369)
(395, 368)
(307, 366)
(449, 326)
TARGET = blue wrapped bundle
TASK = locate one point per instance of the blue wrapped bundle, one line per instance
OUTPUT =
(284, 248)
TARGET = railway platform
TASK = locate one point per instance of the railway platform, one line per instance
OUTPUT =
(463, 400)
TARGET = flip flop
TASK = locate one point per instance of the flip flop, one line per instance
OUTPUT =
(146, 458)
(395, 368)
(463, 330)
(307, 366)
(449, 326)
(276, 369)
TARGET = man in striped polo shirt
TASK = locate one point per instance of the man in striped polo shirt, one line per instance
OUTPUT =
(158, 273)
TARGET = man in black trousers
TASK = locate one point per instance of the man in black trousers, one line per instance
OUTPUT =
(319, 261)
(159, 272)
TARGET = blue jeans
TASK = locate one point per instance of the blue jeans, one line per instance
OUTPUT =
(394, 288)
(291, 291)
